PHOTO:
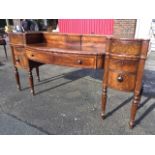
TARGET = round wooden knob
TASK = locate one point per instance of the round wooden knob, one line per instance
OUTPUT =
(120, 78)
(79, 61)
(17, 60)
(32, 55)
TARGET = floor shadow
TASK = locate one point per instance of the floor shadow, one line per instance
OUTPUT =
(96, 74)
(151, 108)
(144, 102)
(47, 80)
(149, 83)
(45, 90)
(73, 76)
(118, 107)
(138, 120)
(1, 64)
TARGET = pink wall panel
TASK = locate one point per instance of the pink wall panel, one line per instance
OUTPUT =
(86, 26)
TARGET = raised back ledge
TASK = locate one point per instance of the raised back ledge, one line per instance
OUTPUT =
(58, 33)
(128, 39)
(75, 34)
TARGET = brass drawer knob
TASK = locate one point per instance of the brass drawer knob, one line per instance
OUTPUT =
(79, 61)
(17, 60)
(120, 78)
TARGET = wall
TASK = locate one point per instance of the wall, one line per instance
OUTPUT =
(124, 28)
(143, 28)
(86, 26)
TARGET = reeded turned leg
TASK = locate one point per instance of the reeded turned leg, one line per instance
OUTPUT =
(17, 78)
(31, 82)
(134, 108)
(37, 72)
(104, 100)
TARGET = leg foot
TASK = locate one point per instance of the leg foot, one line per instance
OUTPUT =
(131, 125)
(32, 92)
(103, 115)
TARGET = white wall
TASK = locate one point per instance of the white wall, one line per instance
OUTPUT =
(143, 28)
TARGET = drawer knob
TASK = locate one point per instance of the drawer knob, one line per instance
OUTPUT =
(79, 61)
(120, 78)
(17, 60)
(32, 55)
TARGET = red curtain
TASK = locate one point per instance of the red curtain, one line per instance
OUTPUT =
(86, 26)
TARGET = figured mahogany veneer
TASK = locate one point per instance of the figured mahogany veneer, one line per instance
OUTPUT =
(122, 59)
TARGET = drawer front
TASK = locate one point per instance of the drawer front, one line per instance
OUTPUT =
(121, 80)
(123, 65)
(21, 60)
(43, 57)
(73, 60)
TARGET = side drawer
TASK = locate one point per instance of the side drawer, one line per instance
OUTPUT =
(121, 80)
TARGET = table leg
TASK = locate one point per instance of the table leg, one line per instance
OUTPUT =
(104, 100)
(31, 82)
(37, 72)
(17, 78)
(134, 108)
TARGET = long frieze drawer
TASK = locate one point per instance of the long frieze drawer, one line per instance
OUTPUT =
(123, 65)
(73, 60)
(121, 80)
(43, 57)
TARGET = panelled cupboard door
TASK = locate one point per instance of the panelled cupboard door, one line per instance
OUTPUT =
(86, 26)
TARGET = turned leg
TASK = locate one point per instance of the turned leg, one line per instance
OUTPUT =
(104, 99)
(17, 78)
(134, 108)
(31, 82)
(5, 52)
(37, 72)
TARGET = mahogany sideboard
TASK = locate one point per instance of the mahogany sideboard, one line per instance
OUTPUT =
(122, 59)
